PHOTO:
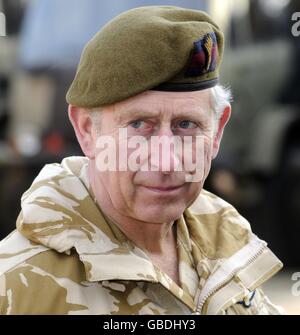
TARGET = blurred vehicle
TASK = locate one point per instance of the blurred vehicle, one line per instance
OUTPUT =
(259, 159)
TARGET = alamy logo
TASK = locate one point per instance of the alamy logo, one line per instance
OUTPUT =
(2, 24)
(296, 25)
(137, 153)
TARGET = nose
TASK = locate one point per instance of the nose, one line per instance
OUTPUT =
(165, 152)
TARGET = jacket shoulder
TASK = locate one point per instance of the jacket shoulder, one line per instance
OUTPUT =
(40, 283)
(209, 203)
(16, 249)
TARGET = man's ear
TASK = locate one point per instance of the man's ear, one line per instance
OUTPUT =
(221, 125)
(82, 124)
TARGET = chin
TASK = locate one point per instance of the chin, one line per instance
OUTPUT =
(161, 214)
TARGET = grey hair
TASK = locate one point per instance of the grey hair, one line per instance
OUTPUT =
(220, 98)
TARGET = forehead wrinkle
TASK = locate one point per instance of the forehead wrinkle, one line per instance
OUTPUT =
(166, 108)
(185, 108)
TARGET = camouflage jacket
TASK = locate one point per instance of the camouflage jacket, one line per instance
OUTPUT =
(66, 258)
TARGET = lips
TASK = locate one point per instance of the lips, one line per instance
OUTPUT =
(165, 189)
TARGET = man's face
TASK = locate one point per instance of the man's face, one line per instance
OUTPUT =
(159, 193)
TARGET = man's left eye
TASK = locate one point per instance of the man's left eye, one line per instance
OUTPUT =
(186, 124)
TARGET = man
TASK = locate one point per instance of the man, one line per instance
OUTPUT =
(128, 229)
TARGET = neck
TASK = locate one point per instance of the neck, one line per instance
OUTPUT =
(154, 238)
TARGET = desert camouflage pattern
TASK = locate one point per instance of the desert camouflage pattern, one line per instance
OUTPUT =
(65, 257)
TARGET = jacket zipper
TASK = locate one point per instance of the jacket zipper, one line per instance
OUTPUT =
(229, 268)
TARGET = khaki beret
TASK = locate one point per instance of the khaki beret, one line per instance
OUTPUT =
(148, 48)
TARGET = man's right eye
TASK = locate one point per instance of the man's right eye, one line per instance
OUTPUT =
(138, 124)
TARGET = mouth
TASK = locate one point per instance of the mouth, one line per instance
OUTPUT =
(164, 190)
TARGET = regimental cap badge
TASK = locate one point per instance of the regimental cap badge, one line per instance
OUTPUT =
(204, 56)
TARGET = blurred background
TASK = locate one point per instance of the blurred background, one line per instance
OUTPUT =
(258, 168)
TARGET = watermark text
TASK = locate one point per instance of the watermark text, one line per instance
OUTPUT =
(296, 285)
(157, 153)
(296, 25)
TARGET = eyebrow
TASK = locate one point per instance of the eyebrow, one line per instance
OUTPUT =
(131, 114)
(135, 113)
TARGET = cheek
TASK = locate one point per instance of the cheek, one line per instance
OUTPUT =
(202, 157)
(207, 148)
(202, 150)
(208, 143)
(194, 189)
(119, 186)
(208, 151)
(124, 183)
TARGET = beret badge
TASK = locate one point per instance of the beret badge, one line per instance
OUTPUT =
(204, 56)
